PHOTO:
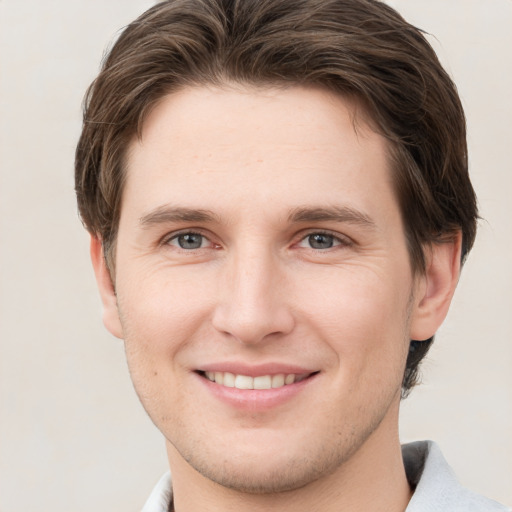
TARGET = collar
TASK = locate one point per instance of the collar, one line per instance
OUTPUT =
(160, 499)
(435, 484)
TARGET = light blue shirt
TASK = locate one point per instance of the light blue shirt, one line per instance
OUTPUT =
(436, 487)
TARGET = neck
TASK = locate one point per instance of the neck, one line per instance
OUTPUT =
(372, 479)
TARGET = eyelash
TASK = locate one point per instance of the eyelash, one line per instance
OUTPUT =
(337, 239)
(167, 240)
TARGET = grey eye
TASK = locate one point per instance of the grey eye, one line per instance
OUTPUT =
(188, 241)
(320, 241)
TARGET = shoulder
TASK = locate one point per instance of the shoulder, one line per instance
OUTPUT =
(436, 487)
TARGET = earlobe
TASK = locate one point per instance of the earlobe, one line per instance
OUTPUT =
(435, 288)
(106, 288)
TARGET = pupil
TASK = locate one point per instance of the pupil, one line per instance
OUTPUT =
(319, 241)
(190, 241)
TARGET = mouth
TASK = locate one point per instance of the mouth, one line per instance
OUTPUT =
(256, 388)
(259, 382)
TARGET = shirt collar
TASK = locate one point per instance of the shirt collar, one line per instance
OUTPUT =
(436, 487)
(160, 500)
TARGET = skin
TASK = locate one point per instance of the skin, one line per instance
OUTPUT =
(260, 162)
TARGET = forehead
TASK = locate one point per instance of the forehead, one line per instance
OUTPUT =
(207, 146)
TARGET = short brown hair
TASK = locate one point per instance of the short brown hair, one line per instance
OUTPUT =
(358, 48)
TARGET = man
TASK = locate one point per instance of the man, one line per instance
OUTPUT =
(279, 206)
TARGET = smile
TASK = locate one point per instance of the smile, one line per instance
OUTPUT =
(231, 380)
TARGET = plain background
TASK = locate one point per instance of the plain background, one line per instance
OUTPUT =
(73, 435)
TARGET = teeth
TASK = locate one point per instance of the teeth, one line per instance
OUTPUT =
(231, 380)
(244, 382)
(278, 381)
(263, 382)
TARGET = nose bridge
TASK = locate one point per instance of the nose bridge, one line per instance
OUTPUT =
(252, 304)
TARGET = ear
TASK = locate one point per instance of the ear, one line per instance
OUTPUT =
(435, 289)
(106, 287)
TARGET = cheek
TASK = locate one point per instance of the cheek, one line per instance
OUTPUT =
(160, 316)
(364, 319)
(159, 321)
(365, 300)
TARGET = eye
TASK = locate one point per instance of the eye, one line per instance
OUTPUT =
(320, 241)
(188, 241)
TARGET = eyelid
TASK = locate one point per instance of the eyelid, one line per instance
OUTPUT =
(186, 231)
(343, 240)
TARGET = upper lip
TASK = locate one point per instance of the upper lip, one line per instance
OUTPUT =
(255, 370)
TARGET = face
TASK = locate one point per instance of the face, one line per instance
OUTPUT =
(263, 284)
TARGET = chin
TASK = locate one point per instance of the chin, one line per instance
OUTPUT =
(252, 478)
(268, 471)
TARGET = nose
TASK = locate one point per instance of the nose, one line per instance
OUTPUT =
(252, 304)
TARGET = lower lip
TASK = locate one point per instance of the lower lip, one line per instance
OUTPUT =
(256, 399)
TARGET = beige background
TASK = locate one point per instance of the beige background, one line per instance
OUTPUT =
(72, 434)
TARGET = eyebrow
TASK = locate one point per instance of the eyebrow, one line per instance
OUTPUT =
(343, 214)
(166, 214)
